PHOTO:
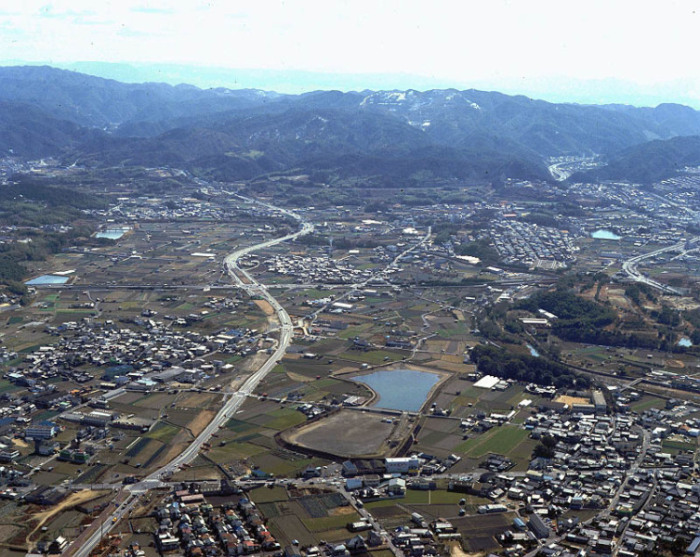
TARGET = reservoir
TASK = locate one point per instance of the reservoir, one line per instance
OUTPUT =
(605, 235)
(112, 233)
(47, 279)
(400, 389)
(532, 350)
(685, 341)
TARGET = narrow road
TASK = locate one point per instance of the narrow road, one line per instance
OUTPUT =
(391, 265)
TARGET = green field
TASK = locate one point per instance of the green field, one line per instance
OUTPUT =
(679, 445)
(373, 357)
(267, 495)
(352, 332)
(163, 432)
(501, 440)
(285, 418)
(234, 451)
(329, 522)
(646, 403)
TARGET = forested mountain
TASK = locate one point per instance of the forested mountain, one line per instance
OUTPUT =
(239, 134)
(650, 162)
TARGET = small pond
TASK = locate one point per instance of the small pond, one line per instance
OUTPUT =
(605, 235)
(47, 279)
(112, 233)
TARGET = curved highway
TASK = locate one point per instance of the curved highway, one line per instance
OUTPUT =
(630, 268)
(82, 548)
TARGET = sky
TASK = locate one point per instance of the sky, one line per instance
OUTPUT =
(565, 47)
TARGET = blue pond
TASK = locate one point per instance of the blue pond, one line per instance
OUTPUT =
(400, 389)
(532, 350)
(111, 234)
(605, 235)
(47, 279)
(685, 341)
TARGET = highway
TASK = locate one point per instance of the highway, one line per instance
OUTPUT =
(559, 174)
(630, 268)
(130, 493)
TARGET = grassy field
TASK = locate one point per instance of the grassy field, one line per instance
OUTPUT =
(285, 418)
(163, 432)
(330, 522)
(646, 403)
(267, 495)
(373, 357)
(679, 445)
(501, 440)
(234, 451)
(289, 527)
(437, 497)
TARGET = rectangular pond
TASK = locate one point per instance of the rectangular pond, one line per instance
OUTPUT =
(604, 235)
(112, 233)
(400, 389)
(47, 279)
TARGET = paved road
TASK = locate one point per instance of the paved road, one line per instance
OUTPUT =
(392, 265)
(559, 174)
(630, 268)
(232, 402)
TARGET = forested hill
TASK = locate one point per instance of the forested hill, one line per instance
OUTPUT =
(649, 162)
(242, 133)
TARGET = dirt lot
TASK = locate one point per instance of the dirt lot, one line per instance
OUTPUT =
(265, 307)
(69, 502)
(479, 531)
(200, 422)
(571, 400)
(346, 433)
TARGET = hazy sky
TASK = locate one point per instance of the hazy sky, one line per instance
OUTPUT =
(459, 41)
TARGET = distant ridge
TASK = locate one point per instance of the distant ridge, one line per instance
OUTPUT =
(231, 134)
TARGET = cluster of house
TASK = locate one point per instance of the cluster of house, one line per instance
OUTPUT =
(658, 510)
(634, 471)
(525, 243)
(663, 221)
(644, 493)
(189, 525)
(316, 269)
(370, 480)
(421, 538)
(412, 465)
(155, 208)
(146, 359)
(100, 344)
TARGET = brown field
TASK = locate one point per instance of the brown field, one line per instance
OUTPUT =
(346, 433)
(129, 398)
(675, 363)
(288, 527)
(479, 531)
(265, 307)
(300, 378)
(200, 421)
(71, 501)
(153, 402)
(617, 298)
(570, 400)
(198, 400)
(444, 364)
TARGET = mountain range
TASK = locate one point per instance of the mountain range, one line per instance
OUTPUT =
(239, 134)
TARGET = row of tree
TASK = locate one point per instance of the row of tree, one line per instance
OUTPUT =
(499, 362)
